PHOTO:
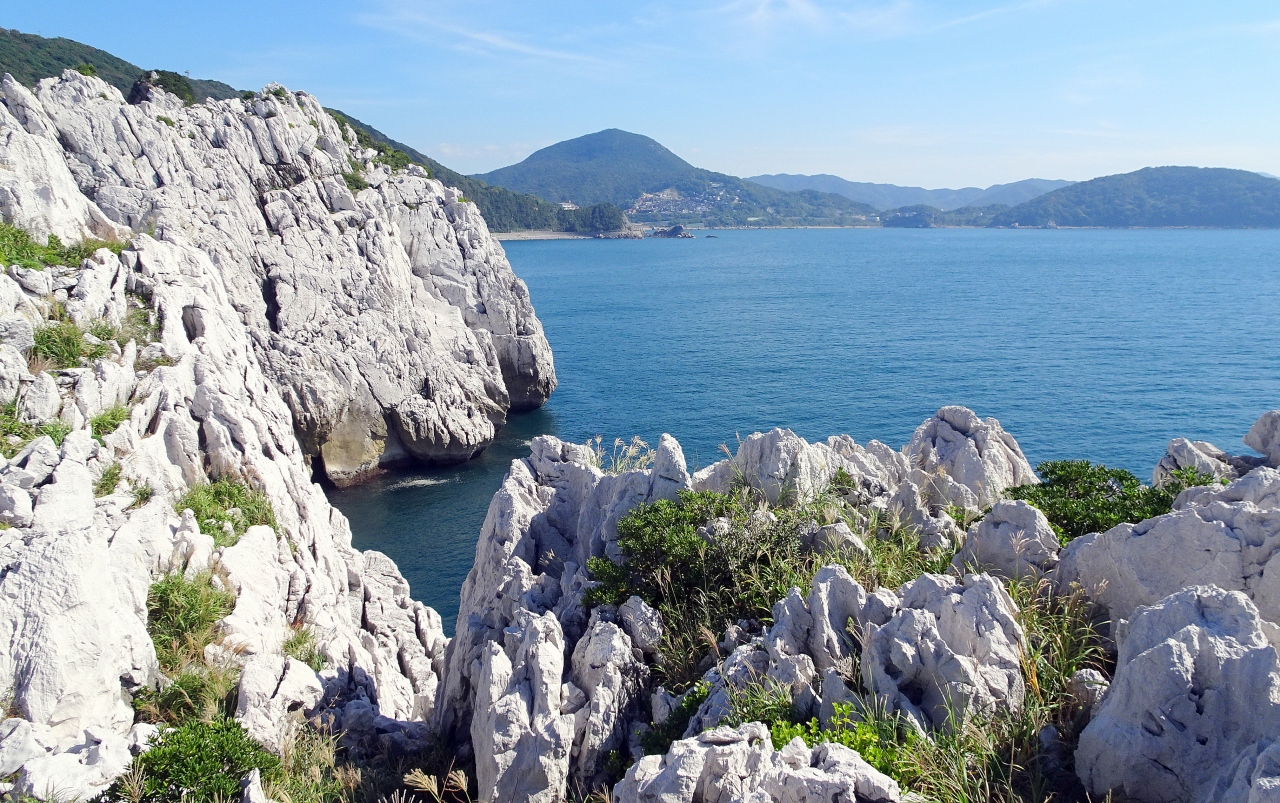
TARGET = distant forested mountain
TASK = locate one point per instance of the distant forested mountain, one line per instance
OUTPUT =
(921, 216)
(28, 58)
(503, 209)
(639, 174)
(1212, 197)
(892, 196)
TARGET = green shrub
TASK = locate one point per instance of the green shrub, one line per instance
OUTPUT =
(166, 120)
(106, 484)
(86, 69)
(171, 82)
(108, 421)
(1079, 497)
(227, 502)
(280, 93)
(63, 344)
(201, 762)
(302, 646)
(17, 248)
(181, 615)
(355, 182)
(876, 738)
(248, 94)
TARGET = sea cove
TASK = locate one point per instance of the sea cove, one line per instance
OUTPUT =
(1097, 344)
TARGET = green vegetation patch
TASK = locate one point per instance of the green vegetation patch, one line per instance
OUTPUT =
(64, 345)
(302, 646)
(181, 615)
(171, 82)
(203, 762)
(877, 739)
(108, 421)
(109, 481)
(17, 248)
(1079, 497)
(227, 502)
(707, 582)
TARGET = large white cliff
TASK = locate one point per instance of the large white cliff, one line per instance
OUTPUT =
(301, 326)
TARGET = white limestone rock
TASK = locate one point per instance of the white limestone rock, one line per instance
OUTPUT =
(520, 738)
(1014, 540)
(976, 453)
(1264, 436)
(1254, 777)
(81, 772)
(1203, 457)
(953, 647)
(40, 401)
(740, 764)
(1197, 685)
(274, 695)
(606, 667)
(1231, 545)
(15, 506)
(1260, 487)
(642, 623)
(428, 328)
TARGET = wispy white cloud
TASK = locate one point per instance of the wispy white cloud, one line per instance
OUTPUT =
(409, 19)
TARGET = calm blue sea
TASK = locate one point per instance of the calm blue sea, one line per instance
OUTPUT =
(1084, 343)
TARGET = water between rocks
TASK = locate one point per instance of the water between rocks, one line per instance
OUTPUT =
(1100, 344)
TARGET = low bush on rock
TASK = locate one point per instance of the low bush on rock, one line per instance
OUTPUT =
(877, 738)
(1079, 497)
(17, 248)
(227, 502)
(200, 762)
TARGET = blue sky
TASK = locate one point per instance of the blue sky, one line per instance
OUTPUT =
(901, 91)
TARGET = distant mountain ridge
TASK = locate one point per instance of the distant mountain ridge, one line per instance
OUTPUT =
(893, 196)
(637, 173)
(1153, 197)
(28, 58)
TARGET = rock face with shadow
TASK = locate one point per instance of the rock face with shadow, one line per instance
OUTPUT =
(376, 301)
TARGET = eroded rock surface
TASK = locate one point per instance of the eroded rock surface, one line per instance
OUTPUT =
(1194, 707)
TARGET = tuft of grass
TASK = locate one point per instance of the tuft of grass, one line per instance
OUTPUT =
(302, 646)
(166, 120)
(108, 421)
(1079, 497)
(309, 770)
(13, 427)
(107, 483)
(627, 456)
(203, 762)
(181, 617)
(142, 493)
(197, 693)
(56, 429)
(62, 343)
(227, 502)
(17, 248)
(761, 700)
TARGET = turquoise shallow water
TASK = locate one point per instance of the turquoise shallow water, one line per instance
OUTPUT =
(1084, 343)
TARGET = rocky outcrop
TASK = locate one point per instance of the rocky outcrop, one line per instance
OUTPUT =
(523, 599)
(976, 453)
(728, 764)
(1204, 458)
(223, 392)
(1014, 540)
(1194, 709)
(387, 317)
(1215, 535)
